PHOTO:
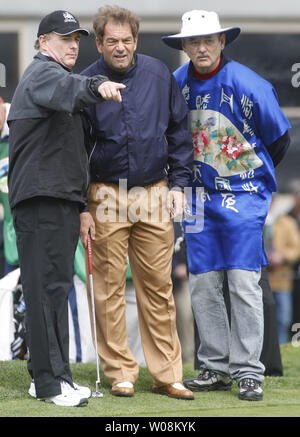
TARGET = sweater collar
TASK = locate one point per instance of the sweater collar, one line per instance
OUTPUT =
(192, 73)
(113, 73)
(206, 76)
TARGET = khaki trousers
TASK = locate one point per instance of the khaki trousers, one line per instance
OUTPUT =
(134, 229)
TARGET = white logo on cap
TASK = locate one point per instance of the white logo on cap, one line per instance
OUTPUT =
(69, 18)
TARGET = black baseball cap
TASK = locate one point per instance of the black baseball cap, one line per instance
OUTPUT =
(60, 22)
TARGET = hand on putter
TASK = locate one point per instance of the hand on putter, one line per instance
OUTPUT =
(111, 91)
(87, 225)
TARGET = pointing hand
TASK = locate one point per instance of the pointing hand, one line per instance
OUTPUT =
(111, 91)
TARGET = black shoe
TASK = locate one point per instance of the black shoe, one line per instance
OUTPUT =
(250, 390)
(209, 380)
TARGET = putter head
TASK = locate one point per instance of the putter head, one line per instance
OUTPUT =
(97, 394)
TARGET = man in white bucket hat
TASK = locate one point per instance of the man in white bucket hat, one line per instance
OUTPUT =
(240, 134)
(200, 23)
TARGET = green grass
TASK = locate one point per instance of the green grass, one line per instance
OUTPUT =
(281, 396)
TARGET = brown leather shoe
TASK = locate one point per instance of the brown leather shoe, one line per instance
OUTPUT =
(175, 390)
(125, 389)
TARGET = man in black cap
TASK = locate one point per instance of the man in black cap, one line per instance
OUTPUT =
(48, 177)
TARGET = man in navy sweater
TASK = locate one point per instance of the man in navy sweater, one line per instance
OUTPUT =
(141, 159)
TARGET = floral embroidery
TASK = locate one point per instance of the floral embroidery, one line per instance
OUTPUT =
(218, 143)
(200, 140)
(232, 147)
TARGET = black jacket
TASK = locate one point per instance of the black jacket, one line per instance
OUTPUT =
(47, 156)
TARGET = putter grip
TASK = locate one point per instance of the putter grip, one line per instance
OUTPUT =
(89, 250)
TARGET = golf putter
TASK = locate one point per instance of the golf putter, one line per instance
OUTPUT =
(97, 393)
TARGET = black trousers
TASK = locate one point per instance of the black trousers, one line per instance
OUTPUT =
(47, 232)
(270, 355)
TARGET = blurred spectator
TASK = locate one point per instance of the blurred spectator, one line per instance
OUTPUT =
(294, 189)
(282, 238)
(9, 236)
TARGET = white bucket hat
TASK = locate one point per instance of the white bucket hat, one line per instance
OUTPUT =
(200, 23)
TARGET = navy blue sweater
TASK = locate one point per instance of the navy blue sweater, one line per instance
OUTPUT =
(145, 138)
